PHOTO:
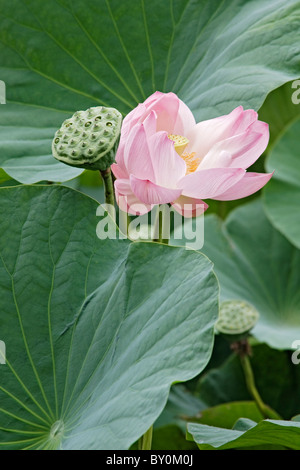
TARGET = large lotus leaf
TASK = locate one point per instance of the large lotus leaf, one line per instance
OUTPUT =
(26, 134)
(282, 194)
(255, 263)
(247, 433)
(279, 110)
(96, 331)
(72, 54)
(34, 169)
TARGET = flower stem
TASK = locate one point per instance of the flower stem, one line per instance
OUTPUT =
(108, 186)
(160, 228)
(145, 441)
(250, 382)
(109, 191)
(124, 222)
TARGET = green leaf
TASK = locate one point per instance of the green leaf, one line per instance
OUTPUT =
(247, 433)
(171, 438)
(276, 377)
(181, 405)
(170, 428)
(216, 55)
(212, 52)
(279, 111)
(227, 414)
(96, 331)
(257, 264)
(31, 170)
(282, 194)
(4, 177)
(26, 133)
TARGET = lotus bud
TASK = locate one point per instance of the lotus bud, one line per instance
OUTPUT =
(236, 319)
(89, 139)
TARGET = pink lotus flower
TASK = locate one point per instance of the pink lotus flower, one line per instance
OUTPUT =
(165, 157)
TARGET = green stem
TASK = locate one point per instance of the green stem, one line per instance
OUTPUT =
(124, 221)
(109, 191)
(250, 381)
(222, 208)
(159, 226)
(145, 442)
(108, 186)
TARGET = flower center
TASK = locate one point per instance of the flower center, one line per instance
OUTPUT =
(180, 142)
(190, 159)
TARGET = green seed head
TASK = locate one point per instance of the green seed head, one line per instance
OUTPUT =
(236, 319)
(90, 138)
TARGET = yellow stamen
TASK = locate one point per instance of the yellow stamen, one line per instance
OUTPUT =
(191, 162)
(180, 142)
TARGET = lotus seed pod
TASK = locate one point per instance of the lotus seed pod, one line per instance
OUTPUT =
(236, 319)
(89, 139)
